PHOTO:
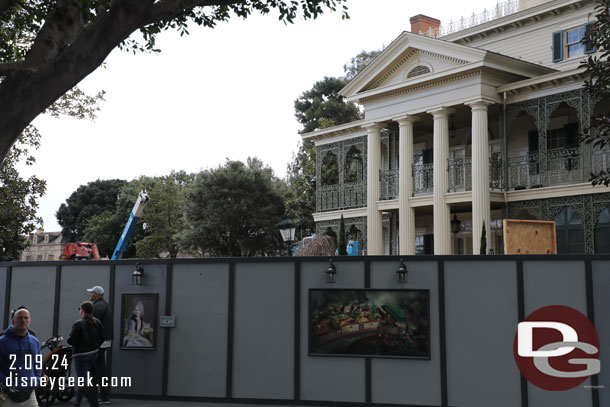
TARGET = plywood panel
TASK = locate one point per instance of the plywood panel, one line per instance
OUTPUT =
(529, 237)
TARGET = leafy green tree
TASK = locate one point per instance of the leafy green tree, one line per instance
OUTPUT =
(19, 197)
(48, 47)
(106, 227)
(598, 84)
(86, 202)
(359, 62)
(164, 216)
(234, 210)
(318, 108)
(322, 106)
(300, 197)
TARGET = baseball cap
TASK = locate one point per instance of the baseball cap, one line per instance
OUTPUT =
(97, 289)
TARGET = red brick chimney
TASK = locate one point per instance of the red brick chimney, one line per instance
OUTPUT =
(422, 24)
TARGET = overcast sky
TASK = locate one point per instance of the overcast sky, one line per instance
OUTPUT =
(218, 93)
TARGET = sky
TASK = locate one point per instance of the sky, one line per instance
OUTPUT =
(219, 93)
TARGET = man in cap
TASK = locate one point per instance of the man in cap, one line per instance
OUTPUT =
(102, 311)
(18, 376)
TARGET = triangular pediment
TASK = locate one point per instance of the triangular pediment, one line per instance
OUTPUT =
(407, 52)
(413, 64)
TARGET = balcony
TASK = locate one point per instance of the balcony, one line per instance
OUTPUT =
(389, 184)
(563, 166)
(423, 176)
(333, 198)
(460, 170)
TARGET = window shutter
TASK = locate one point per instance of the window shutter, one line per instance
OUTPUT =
(557, 46)
(589, 48)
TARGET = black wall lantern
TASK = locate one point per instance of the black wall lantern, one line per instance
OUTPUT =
(456, 224)
(136, 276)
(331, 273)
(401, 273)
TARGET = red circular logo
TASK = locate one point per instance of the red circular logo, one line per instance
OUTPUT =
(556, 348)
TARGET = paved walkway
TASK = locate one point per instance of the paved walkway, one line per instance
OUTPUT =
(163, 403)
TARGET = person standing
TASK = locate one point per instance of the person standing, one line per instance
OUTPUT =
(86, 336)
(102, 312)
(18, 362)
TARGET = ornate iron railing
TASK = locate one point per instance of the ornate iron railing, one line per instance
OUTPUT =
(460, 178)
(523, 171)
(354, 195)
(328, 199)
(423, 178)
(389, 184)
(496, 172)
(564, 166)
(500, 10)
(351, 195)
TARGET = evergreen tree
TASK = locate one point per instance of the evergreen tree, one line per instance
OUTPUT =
(342, 245)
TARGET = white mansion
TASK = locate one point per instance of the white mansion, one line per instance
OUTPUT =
(465, 127)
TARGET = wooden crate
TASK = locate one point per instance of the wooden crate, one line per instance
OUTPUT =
(529, 237)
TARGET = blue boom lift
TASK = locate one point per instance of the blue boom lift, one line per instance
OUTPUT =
(130, 226)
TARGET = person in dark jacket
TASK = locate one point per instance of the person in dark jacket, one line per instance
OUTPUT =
(86, 337)
(102, 311)
(15, 344)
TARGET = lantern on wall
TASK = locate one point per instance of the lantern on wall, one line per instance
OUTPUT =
(136, 276)
(331, 273)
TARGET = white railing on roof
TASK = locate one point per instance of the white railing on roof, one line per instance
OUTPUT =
(502, 9)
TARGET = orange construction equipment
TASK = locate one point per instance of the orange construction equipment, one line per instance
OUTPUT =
(81, 251)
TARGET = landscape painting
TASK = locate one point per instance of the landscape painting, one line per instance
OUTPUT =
(367, 322)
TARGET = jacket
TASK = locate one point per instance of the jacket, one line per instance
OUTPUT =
(102, 311)
(86, 338)
(12, 346)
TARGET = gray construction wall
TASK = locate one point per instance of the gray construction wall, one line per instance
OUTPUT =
(242, 326)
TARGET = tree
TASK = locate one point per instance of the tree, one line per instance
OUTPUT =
(318, 108)
(301, 195)
(341, 244)
(18, 197)
(48, 47)
(322, 106)
(597, 85)
(359, 62)
(483, 240)
(105, 228)
(86, 202)
(164, 216)
(234, 210)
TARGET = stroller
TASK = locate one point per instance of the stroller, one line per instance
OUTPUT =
(57, 364)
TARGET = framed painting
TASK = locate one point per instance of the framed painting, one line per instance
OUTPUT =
(369, 323)
(139, 315)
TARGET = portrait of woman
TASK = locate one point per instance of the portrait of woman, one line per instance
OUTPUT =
(139, 315)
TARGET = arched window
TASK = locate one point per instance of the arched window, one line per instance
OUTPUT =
(602, 232)
(570, 232)
(353, 165)
(330, 170)
(418, 70)
(525, 214)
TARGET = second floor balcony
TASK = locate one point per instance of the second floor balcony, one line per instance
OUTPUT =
(562, 166)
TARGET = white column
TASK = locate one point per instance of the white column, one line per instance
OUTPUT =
(480, 175)
(373, 188)
(442, 220)
(406, 214)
